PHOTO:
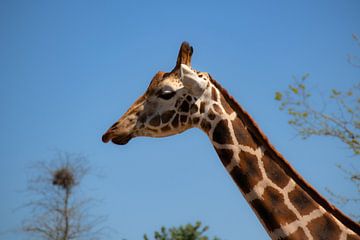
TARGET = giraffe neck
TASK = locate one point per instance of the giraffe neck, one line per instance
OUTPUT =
(287, 206)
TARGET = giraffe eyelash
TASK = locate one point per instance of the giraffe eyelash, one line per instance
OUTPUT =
(167, 94)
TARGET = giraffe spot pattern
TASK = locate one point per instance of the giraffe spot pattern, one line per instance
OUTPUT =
(175, 121)
(202, 107)
(299, 234)
(275, 173)
(183, 119)
(217, 109)
(178, 102)
(302, 201)
(194, 108)
(213, 94)
(195, 120)
(242, 135)
(324, 228)
(189, 120)
(271, 206)
(184, 107)
(205, 126)
(166, 116)
(155, 121)
(238, 177)
(221, 133)
(211, 115)
(225, 155)
(273, 210)
(250, 171)
(226, 106)
(166, 128)
(142, 118)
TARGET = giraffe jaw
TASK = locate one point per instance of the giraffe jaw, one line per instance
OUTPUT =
(121, 139)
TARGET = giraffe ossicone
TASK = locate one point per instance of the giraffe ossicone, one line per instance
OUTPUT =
(286, 205)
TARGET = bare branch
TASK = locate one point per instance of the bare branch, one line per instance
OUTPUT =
(56, 214)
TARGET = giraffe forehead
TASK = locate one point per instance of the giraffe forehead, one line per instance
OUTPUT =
(163, 80)
(172, 82)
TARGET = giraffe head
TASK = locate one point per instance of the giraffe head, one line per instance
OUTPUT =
(170, 105)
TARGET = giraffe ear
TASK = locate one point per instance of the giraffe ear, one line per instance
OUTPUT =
(184, 56)
(191, 81)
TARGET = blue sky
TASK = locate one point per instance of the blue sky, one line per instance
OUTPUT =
(69, 69)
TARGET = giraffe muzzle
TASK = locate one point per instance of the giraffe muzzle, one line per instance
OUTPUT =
(119, 139)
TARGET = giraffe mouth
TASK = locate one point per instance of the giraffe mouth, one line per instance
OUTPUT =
(119, 139)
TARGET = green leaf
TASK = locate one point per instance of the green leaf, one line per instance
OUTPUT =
(294, 89)
(302, 86)
(278, 96)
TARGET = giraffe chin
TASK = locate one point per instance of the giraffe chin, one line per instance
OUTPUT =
(121, 140)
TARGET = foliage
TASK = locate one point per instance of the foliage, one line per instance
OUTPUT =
(187, 232)
(338, 116)
(57, 212)
(308, 119)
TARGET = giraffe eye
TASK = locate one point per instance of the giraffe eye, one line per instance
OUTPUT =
(167, 94)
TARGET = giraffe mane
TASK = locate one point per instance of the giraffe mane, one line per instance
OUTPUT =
(262, 140)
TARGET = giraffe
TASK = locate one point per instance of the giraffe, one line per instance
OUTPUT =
(287, 206)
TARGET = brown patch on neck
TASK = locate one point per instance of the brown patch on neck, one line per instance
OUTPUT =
(302, 201)
(217, 109)
(324, 228)
(274, 172)
(225, 155)
(205, 126)
(225, 104)
(221, 133)
(273, 209)
(298, 234)
(213, 94)
(243, 136)
(261, 139)
(250, 173)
